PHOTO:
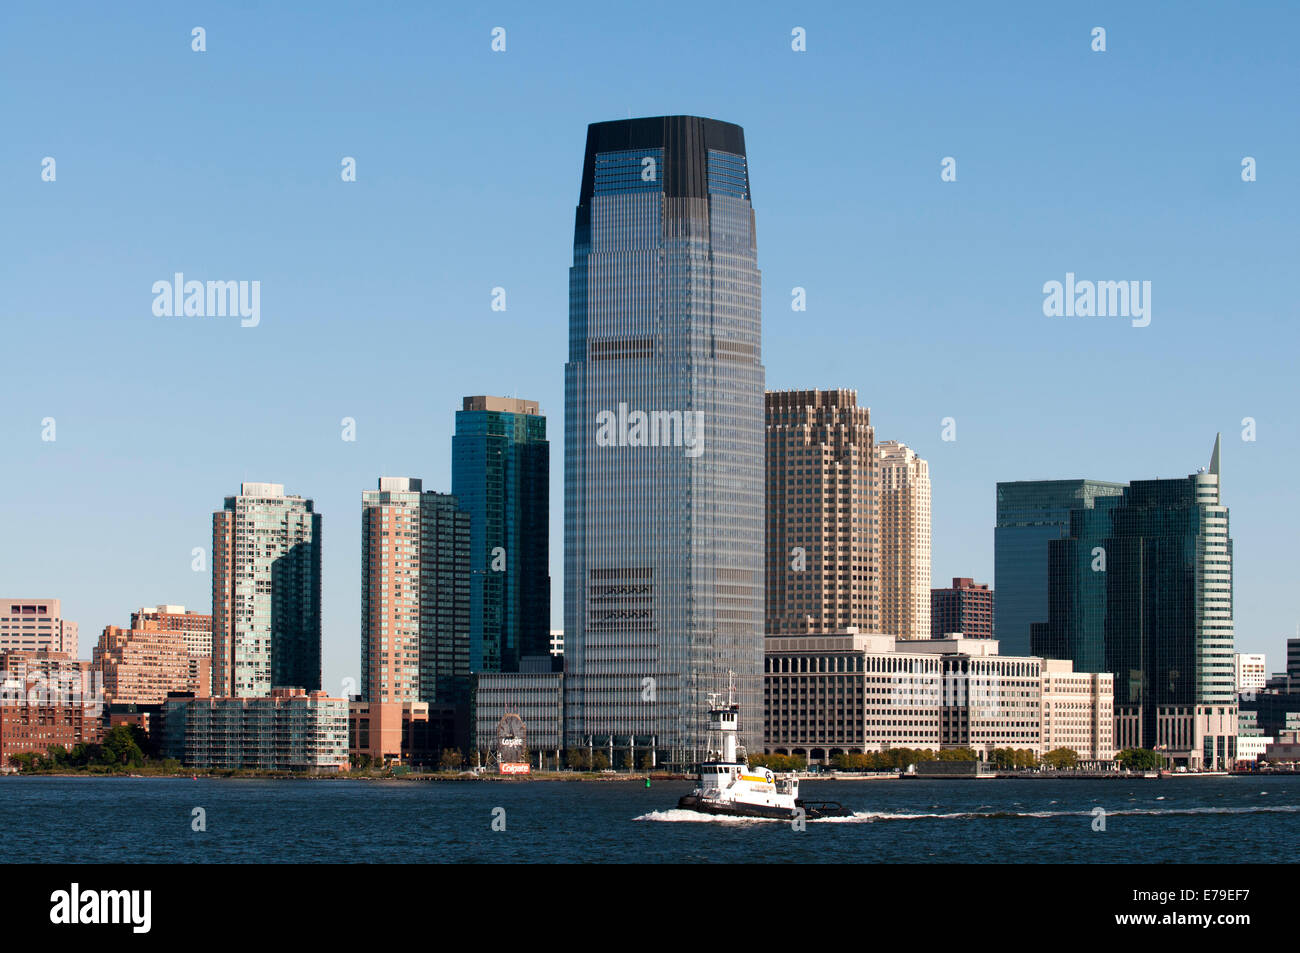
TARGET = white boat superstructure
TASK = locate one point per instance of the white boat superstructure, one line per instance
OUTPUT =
(728, 785)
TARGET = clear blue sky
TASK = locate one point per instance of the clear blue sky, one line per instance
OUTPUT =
(924, 296)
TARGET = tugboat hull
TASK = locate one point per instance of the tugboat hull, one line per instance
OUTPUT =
(692, 802)
(812, 810)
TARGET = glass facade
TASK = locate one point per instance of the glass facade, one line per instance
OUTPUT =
(266, 579)
(663, 440)
(1031, 513)
(501, 466)
(1142, 587)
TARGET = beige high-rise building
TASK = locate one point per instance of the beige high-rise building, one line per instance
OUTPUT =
(195, 626)
(823, 564)
(36, 625)
(903, 481)
(195, 629)
(849, 691)
(1078, 711)
(141, 666)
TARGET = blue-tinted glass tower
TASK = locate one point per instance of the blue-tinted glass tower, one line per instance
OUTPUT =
(501, 477)
(1141, 586)
(1031, 513)
(664, 492)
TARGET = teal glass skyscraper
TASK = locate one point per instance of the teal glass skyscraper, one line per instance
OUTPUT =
(1142, 587)
(501, 465)
(1031, 513)
(664, 443)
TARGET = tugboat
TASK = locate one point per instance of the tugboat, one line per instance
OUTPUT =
(730, 787)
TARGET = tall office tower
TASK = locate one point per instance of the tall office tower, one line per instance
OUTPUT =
(415, 586)
(1029, 514)
(823, 555)
(966, 608)
(663, 533)
(1293, 658)
(266, 625)
(903, 481)
(501, 476)
(36, 625)
(1142, 587)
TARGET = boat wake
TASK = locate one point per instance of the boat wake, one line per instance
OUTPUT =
(681, 814)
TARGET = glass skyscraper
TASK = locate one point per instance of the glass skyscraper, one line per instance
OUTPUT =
(1030, 513)
(1141, 586)
(266, 622)
(664, 505)
(500, 474)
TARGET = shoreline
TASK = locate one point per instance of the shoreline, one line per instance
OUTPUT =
(545, 776)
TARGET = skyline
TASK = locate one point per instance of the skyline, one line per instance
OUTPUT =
(106, 519)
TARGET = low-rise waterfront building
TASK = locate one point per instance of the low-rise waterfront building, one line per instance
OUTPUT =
(1271, 712)
(289, 730)
(1078, 711)
(408, 733)
(1250, 748)
(536, 695)
(848, 691)
(36, 715)
(1286, 749)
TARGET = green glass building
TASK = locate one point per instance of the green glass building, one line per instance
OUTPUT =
(1142, 587)
(500, 475)
(1031, 513)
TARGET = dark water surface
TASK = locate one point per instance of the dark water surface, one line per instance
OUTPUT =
(132, 820)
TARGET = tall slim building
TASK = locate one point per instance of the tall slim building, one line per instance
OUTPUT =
(266, 562)
(36, 625)
(903, 481)
(1029, 514)
(1142, 587)
(500, 474)
(966, 607)
(664, 468)
(415, 588)
(823, 558)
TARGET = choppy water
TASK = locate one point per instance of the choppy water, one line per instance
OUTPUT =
(1181, 820)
